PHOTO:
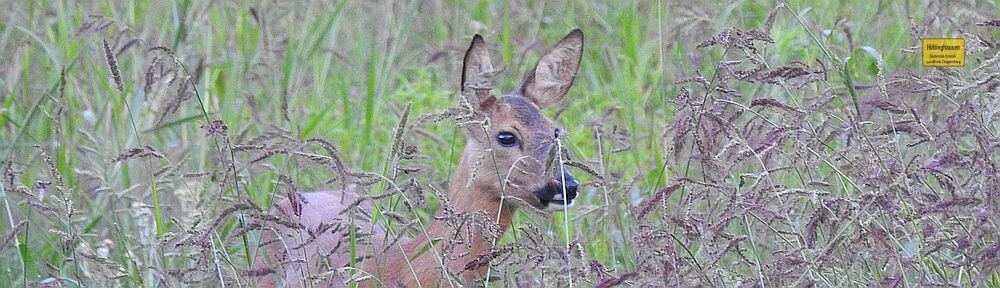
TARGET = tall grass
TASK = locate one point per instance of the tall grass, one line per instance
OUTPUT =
(723, 144)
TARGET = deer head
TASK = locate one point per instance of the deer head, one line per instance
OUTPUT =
(514, 153)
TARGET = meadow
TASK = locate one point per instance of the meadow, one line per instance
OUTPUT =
(719, 144)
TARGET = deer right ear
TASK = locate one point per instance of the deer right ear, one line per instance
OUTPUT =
(553, 75)
(477, 69)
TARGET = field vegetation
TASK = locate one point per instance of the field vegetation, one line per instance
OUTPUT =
(726, 143)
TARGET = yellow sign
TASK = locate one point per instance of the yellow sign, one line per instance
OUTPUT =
(943, 52)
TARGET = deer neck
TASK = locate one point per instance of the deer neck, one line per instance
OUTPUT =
(465, 199)
(471, 197)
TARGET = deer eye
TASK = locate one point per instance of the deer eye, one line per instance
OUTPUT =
(506, 139)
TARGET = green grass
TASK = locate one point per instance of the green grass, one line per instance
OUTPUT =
(345, 71)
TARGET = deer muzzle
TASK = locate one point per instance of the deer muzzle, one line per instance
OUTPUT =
(558, 192)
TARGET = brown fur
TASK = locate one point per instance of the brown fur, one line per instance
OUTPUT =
(484, 193)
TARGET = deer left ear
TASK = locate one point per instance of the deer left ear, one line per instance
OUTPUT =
(476, 70)
(553, 75)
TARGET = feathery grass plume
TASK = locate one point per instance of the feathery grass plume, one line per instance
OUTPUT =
(798, 71)
(216, 128)
(142, 152)
(735, 37)
(585, 168)
(771, 102)
(128, 44)
(93, 24)
(884, 105)
(173, 104)
(651, 202)
(13, 232)
(990, 23)
(202, 238)
(338, 163)
(488, 257)
(60, 184)
(294, 197)
(397, 137)
(116, 74)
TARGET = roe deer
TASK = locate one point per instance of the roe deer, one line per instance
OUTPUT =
(519, 138)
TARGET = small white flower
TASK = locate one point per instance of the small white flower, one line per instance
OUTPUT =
(89, 117)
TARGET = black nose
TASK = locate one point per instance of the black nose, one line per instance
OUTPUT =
(561, 191)
(570, 183)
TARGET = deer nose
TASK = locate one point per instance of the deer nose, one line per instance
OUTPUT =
(570, 183)
(559, 192)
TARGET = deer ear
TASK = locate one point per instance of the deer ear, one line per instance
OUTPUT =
(476, 71)
(553, 75)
